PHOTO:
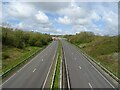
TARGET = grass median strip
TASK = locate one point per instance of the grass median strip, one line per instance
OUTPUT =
(57, 72)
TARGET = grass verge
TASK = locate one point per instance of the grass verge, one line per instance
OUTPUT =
(57, 73)
(17, 58)
(103, 49)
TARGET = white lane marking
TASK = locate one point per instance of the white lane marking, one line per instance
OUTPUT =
(80, 67)
(103, 77)
(42, 59)
(34, 70)
(84, 56)
(61, 73)
(97, 71)
(67, 72)
(48, 71)
(17, 71)
(8, 79)
(24, 66)
(54, 72)
(90, 86)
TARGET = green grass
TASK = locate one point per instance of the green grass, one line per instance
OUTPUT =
(57, 74)
(11, 56)
(105, 51)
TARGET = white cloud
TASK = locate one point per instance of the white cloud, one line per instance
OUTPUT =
(64, 20)
(19, 10)
(85, 19)
(74, 12)
(81, 21)
(110, 19)
(95, 16)
(81, 16)
(50, 6)
(42, 17)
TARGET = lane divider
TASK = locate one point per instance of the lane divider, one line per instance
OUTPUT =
(45, 81)
(34, 70)
(66, 69)
(61, 74)
(80, 67)
(90, 86)
(95, 65)
(23, 65)
(53, 77)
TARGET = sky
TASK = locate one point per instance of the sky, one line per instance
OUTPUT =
(60, 18)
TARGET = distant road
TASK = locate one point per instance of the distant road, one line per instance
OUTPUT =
(81, 72)
(33, 74)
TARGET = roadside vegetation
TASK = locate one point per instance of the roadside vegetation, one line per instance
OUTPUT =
(17, 45)
(57, 73)
(104, 49)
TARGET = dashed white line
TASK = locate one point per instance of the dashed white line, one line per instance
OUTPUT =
(42, 59)
(80, 67)
(34, 70)
(22, 67)
(90, 86)
(99, 72)
(48, 72)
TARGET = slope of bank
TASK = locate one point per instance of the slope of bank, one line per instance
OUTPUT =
(104, 49)
(19, 45)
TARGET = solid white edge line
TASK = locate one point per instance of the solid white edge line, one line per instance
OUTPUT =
(8, 79)
(67, 72)
(54, 71)
(97, 71)
(24, 66)
(61, 74)
(103, 77)
(95, 67)
(48, 72)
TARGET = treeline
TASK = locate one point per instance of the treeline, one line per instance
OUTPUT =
(83, 37)
(95, 44)
(22, 39)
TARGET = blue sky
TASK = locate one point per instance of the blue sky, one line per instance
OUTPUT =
(62, 18)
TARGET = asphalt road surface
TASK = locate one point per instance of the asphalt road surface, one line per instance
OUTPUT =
(33, 74)
(82, 73)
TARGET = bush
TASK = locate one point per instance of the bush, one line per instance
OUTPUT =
(83, 37)
(5, 56)
(21, 39)
(38, 43)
